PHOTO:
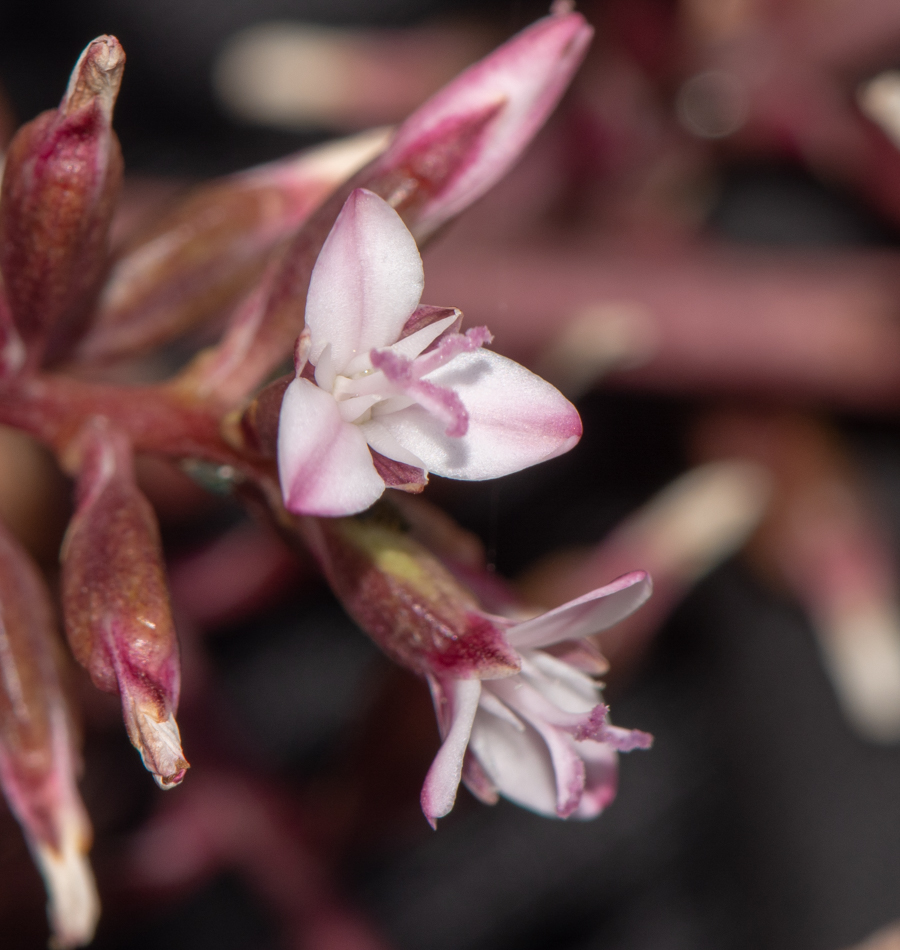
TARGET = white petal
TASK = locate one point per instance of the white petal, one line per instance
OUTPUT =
(516, 761)
(382, 441)
(516, 419)
(367, 281)
(496, 707)
(351, 409)
(411, 346)
(324, 463)
(325, 374)
(580, 618)
(442, 780)
(565, 687)
(601, 763)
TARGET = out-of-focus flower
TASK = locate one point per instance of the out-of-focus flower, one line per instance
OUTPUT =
(542, 737)
(397, 378)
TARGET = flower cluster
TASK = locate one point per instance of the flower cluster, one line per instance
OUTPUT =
(322, 259)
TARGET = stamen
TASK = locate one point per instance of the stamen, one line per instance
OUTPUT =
(441, 402)
(450, 346)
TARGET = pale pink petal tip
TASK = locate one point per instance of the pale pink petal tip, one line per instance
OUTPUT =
(73, 906)
(596, 611)
(324, 463)
(366, 282)
(525, 78)
(442, 781)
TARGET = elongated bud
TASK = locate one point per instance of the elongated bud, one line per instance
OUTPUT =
(116, 602)
(499, 103)
(38, 758)
(444, 157)
(197, 259)
(406, 600)
(825, 543)
(62, 175)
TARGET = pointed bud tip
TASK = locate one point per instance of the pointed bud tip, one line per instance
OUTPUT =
(97, 75)
(159, 743)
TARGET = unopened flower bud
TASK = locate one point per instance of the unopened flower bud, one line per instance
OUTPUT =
(116, 601)
(467, 137)
(197, 259)
(62, 174)
(38, 758)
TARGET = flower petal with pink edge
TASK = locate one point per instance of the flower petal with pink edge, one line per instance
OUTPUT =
(525, 79)
(324, 463)
(367, 281)
(456, 702)
(595, 611)
(516, 419)
(516, 761)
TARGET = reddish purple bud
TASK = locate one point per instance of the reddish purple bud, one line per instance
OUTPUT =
(62, 175)
(12, 350)
(407, 601)
(196, 260)
(116, 601)
(254, 429)
(38, 757)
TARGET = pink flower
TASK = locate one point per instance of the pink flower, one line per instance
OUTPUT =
(541, 738)
(397, 391)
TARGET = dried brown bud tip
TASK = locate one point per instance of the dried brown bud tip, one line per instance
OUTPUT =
(96, 77)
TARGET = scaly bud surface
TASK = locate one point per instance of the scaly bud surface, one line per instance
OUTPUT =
(116, 601)
(60, 182)
(38, 759)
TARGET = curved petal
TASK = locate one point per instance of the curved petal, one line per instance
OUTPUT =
(366, 282)
(516, 419)
(595, 611)
(601, 765)
(516, 761)
(533, 705)
(442, 781)
(324, 463)
(411, 345)
(564, 685)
